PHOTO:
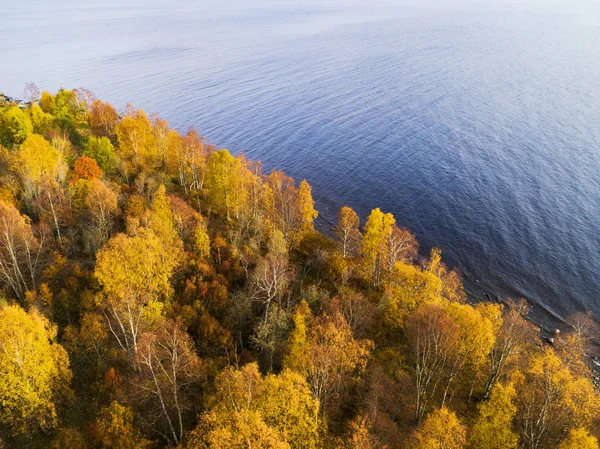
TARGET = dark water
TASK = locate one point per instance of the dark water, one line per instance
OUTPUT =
(477, 124)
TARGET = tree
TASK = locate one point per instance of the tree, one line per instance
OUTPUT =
(452, 287)
(86, 168)
(40, 120)
(307, 206)
(270, 280)
(102, 151)
(579, 439)
(162, 223)
(333, 358)
(170, 371)
(222, 177)
(348, 232)
(16, 126)
(361, 437)
(493, 428)
(441, 430)
(269, 335)
(102, 205)
(47, 102)
(136, 139)
(551, 400)
(290, 209)
(35, 161)
(115, 430)
(67, 106)
(31, 92)
(187, 158)
(408, 288)
(102, 118)
(512, 337)
(298, 344)
(431, 337)
(20, 251)
(247, 410)
(201, 240)
(135, 274)
(69, 438)
(402, 246)
(377, 231)
(34, 372)
(474, 340)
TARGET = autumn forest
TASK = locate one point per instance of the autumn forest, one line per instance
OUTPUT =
(158, 292)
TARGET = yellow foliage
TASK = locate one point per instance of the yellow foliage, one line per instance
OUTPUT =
(115, 430)
(579, 439)
(277, 411)
(493, 427)
(441, 430)
(35, 161)
(34, 371)
(409, 287)
(374, 244)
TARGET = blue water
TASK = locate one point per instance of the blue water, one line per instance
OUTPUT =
(476, 123)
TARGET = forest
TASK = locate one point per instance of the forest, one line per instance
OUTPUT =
(158, 292)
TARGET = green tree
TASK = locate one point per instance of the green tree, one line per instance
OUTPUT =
(15, 126)
(102, 151)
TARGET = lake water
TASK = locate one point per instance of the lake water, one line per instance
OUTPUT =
(476, 123)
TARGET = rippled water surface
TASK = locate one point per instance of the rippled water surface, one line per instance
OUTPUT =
(476, 123)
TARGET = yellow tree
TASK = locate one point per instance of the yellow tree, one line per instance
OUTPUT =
(20, 251)
(35, 161)
(452, 288)
(135, 275)
(307, 206)
(579, 439)
(551, 400)
(101, 203)
(115, 429)
(221, 181)
(249, 411)
(377, 231)
(34, 372)
(513, 336)
(136, 139)
(298, 344)
(290, 209)
(407, 289)
(162, 222)
(441, 430)
(348, 232)
(361, 436)
(493, 428)
(474, 340)
(333, 359)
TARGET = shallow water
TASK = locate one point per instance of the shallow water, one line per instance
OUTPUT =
(476, 123)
